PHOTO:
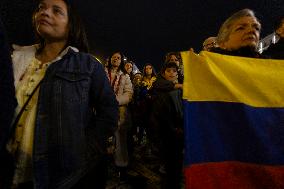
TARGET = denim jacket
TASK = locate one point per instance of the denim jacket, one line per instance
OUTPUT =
(77, 111)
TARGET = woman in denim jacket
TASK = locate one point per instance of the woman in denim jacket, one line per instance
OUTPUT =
(60, 138)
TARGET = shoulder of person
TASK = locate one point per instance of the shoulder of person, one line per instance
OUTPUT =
(87, 59)
(220, 51)
(31, 49)
(21, 58)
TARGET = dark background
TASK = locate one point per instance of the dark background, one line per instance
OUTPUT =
(143, 29)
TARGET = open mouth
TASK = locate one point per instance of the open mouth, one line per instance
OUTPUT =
(250, 38)
(43, 22)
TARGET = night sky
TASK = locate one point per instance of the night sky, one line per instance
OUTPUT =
(143, 29)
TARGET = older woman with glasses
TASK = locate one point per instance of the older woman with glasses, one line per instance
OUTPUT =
(209, 43)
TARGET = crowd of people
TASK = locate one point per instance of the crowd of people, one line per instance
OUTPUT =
(69, 107)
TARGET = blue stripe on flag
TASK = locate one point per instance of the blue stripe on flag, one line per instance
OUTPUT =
(222, 131)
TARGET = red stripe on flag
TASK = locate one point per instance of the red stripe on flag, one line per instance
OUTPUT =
(234, 175)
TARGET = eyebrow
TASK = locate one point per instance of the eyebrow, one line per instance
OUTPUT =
(245, 24)
(242, 24)
(53, 6)
(58, 7)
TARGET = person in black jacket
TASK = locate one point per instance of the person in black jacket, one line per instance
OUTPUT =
(7, 95)
(276, 51)
(7, 100)
(167, 125)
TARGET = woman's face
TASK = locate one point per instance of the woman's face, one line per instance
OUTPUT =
(148, 70)
(115, 60)
(51, 20)
(128, 67)
(244, 33)
(174, 59)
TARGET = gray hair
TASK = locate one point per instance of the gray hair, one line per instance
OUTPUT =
(209, 39)
(226, 28)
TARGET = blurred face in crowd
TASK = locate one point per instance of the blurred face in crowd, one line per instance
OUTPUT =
(115, 60)
(170, 74)
(137, 79)
(280, 30)
(209, 43)
(128, 67)
(244, 33)
(51, 20)
(174, 59)
(148, 70)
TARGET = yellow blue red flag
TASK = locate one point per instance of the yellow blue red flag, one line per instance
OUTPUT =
(234, 122)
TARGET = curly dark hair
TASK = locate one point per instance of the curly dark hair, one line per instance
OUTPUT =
(121, 66)
(168, 65)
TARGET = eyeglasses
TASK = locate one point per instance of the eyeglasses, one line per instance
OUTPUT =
(209, 45)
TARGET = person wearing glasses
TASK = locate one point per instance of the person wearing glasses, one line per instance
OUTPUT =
(210, 43)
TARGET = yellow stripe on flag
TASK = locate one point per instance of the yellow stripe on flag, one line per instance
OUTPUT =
(215, 77)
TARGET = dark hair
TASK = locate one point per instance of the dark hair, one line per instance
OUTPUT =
(279, 21)
(125, 71)
(153, 70)
(121, 66)
(125, 62)
(168, 65)
(176, 54)
(77, 35)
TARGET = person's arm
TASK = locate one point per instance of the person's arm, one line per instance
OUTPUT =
(126, 97)
(105, 105)
(7, 90)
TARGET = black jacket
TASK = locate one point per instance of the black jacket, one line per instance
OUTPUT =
(275, 51)
(161, 85)
(7, 90)
(244, 52)
(167, 110)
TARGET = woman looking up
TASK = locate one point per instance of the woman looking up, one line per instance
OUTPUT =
(60, 137)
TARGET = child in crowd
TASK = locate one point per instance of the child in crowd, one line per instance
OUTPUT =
(167, 123)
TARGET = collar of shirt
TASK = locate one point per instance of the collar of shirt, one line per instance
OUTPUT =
(64, 52)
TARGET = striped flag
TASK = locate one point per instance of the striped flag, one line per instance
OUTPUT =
(234, 122)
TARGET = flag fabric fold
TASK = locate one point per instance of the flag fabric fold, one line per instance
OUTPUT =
(234, 121)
